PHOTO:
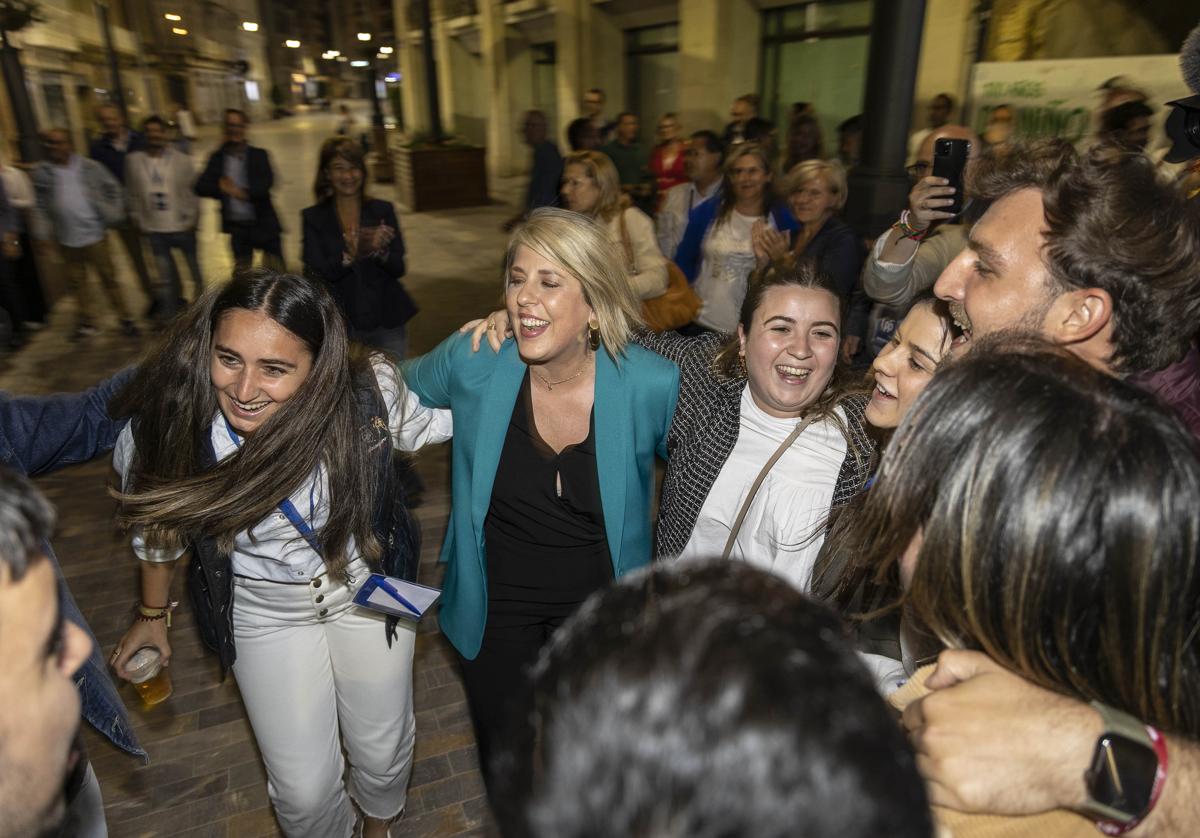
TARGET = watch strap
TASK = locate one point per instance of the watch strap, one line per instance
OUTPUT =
(1112, 821)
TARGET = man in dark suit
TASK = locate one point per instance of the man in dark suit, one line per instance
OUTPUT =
(746, 126)
(239, 175)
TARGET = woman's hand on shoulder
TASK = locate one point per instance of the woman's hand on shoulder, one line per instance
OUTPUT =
(495, 326)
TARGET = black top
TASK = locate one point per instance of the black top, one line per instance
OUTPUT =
(546, 552)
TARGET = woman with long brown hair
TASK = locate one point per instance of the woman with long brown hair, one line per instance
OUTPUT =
(717, 250)
(352, 243)
(261, 440)
(1043, 513)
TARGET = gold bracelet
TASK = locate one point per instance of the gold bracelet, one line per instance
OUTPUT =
(147, 614)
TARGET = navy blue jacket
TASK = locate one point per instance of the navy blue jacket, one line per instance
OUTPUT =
(544, 177)
(103, 151)
(39, 434)
(688, 256)
(837, 250)
(368, 290)
(259, 180)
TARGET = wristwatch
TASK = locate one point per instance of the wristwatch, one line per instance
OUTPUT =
(1127, 771)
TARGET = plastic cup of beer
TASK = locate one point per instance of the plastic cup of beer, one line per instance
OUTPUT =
(149, 677)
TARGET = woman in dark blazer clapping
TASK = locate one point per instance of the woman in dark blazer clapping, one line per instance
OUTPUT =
(353, 244)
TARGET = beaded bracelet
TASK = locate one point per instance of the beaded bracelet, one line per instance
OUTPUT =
(148, 615)
(908, 231)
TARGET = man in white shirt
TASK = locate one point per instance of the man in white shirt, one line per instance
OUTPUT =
(163, 207)
(77, 201)
(704, 158)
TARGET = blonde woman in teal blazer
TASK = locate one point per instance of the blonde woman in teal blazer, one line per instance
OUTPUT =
(553, 466)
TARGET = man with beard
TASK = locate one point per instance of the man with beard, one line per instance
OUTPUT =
(41, 652)
(1099, 256)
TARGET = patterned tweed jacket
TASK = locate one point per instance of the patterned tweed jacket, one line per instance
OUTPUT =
(705, 430)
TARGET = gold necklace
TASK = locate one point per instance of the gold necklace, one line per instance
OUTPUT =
(550, 385)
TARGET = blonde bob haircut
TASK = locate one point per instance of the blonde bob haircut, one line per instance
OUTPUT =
(581, 247)
(603, 173)
(809, 170)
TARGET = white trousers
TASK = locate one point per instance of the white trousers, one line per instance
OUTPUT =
(315, 672)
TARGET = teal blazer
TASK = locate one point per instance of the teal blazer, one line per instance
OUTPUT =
(634, 403)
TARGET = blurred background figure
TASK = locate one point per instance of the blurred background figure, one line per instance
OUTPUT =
(111, 148)
(941, 108)
(703, 160)
(590, 188)
(352, 243)
(582, 135)
(745, 125)
(629, 155)
(593, 112)
(1126, 127)
(185, 127)
(997, 136)
(545, 169)
(803, 140)
(163, 206)
(668, 162)
(850, 141)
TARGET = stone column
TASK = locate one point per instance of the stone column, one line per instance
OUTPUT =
(879, 185)
(413, 96)
(501, 128)
(441, 46)
(568, 67)
(719, 46)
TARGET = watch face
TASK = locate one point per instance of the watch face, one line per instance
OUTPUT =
(1122, 774)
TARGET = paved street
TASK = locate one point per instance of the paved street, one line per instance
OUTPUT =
(205, 778)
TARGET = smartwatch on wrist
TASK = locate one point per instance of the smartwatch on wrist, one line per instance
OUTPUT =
(1128, 769)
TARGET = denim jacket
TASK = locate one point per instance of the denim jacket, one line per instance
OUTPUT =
(39, 434)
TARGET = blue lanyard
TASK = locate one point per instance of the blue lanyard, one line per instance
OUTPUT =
(287, 507)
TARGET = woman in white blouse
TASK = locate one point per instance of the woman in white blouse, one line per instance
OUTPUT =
(740, 401)
(261, 440)
(590, 186)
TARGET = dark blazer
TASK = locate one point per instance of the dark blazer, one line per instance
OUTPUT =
(105, 152)
(837, 250)
(368, 290)
(259, 177)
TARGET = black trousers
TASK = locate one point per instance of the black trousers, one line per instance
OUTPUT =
(246, 238)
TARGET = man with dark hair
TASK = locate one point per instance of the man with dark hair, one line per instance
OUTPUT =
(1126, 127)
(545, 170)
(240, 176)
(941, 108)
(162, 205)
(593, 112)
(745, 125)
(704, 159)
(1097, 255)
(41, 651)
(631, 158)
(112, 148)
(39, 434)
(708, 699)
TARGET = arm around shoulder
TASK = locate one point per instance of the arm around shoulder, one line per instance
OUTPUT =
(431, 376)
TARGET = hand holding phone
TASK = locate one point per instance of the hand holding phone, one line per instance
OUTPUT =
(950, 162)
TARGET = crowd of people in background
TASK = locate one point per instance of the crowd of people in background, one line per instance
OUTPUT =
(946, 472)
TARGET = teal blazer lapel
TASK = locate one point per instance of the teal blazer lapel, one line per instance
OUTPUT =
(612, 449)
(495, 412)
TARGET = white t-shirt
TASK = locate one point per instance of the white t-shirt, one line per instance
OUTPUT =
(785, 525)
(277, 552)
(727, 260)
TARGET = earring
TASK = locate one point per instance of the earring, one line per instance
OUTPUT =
(593, 336)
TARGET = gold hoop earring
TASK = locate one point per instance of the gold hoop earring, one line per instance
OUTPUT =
(593, 336)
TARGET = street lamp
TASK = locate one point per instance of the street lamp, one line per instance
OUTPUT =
(249, 26)
(364, 36)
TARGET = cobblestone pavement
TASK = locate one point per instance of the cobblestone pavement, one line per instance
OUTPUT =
(205, 777)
